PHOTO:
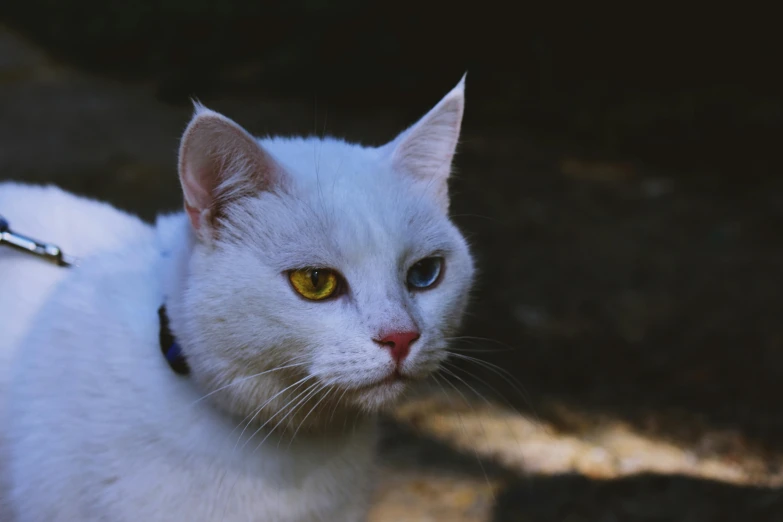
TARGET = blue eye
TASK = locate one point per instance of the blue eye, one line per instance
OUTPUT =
(425, 273)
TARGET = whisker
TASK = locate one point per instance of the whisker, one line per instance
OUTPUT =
(301, 423)
(491, 387)
(243, 379)
(508, 425)
(478, 350)
(314, 390)
(483, 339)
(503, 374)
(462, 425)
(337, 405)
(452, 366)
(298, 383)
(310, 387)
(260, 408)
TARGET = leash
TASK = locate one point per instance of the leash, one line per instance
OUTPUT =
(47, 251)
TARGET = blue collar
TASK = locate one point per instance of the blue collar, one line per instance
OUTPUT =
(169, 346)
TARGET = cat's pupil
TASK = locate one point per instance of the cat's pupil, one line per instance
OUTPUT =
(314, 275)
(424, 270)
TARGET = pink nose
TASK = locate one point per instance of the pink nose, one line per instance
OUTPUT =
(399, 344)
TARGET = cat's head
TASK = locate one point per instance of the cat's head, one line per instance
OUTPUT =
(329, 269)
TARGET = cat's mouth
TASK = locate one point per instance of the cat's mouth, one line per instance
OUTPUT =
(382, 392)
(394, 378)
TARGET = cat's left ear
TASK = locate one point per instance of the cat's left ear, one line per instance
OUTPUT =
(220, 162)
(426, 149)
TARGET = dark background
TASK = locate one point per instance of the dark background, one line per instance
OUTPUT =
(619, 178)
(684, 86)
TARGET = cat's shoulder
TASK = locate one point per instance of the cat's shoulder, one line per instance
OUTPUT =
(104, 240)
(98, 322)
(110, 286)
(95, 233)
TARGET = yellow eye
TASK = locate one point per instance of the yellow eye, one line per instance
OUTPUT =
(314, 283)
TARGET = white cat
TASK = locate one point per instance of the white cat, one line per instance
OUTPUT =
(306, 282)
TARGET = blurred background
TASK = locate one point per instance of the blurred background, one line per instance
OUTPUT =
(619, 178)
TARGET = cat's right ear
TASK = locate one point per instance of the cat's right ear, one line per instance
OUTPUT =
(424, 152)
(220, 162)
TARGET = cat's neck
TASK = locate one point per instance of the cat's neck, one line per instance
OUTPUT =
(175, 240)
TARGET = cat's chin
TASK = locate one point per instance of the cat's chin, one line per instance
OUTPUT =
(380, 396)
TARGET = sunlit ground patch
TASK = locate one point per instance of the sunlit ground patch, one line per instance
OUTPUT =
(597, 447)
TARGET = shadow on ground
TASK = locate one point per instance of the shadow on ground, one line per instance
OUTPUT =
(568, 497)
(642, 498)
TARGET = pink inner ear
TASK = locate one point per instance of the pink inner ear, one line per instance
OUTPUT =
(218, 162)
(426, 149)
(197, 178)
(195, 216)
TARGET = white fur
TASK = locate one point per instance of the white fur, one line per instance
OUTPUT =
(97, 425)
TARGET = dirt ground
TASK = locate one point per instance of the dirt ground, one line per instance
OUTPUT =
(626, 322)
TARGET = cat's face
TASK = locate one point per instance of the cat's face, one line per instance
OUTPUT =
(331, 267)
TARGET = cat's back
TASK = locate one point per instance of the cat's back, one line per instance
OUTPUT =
(79, 224)
(81, 227)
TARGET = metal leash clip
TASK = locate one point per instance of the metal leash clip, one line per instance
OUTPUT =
(51, 253)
